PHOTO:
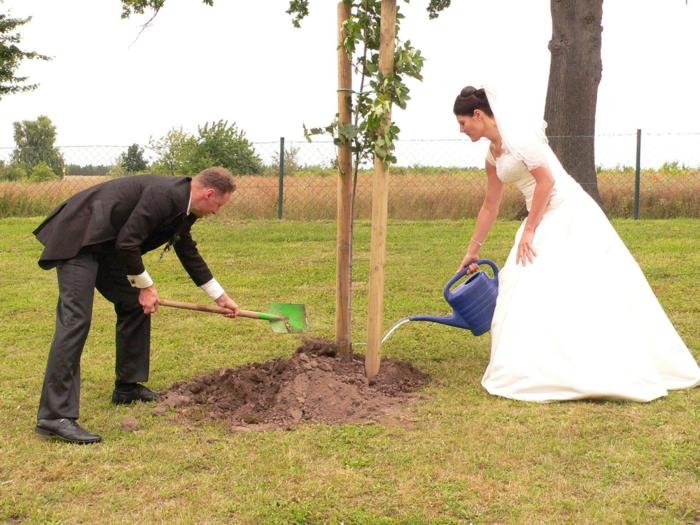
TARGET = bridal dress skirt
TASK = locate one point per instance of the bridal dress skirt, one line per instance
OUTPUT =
(582, 321)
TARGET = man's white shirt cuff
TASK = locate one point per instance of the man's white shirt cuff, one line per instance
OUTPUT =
(142, 280)
(213, 289)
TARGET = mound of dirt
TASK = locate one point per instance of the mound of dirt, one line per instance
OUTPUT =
(314, 385)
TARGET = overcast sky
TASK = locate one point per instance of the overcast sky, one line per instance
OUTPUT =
(244, 62)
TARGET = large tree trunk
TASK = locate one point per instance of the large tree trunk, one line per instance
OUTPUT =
(572, 93)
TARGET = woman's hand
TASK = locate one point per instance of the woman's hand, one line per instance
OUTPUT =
(544, 184)
(526, 253)
(468, 262)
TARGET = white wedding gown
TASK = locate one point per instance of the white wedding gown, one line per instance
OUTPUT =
(581, 321)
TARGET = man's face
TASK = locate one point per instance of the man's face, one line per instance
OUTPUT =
(209, 203)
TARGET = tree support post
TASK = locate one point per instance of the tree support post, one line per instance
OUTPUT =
(380, 192)
(343, 301)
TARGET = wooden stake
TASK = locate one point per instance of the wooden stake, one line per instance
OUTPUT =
(343, 332)
(380, 195)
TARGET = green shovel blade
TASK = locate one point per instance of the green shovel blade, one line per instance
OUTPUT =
(295, 315)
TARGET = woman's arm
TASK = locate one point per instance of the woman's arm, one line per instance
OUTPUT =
(486, 218)
(544, 182)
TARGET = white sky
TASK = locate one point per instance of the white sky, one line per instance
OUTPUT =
(244, 62)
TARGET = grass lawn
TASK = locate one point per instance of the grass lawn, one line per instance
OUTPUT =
(460, 456)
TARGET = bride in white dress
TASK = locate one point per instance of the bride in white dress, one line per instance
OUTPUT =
(575, 317)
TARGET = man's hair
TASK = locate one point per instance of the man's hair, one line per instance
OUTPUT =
(217, 178)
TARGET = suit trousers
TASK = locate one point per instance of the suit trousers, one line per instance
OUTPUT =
(77, 279)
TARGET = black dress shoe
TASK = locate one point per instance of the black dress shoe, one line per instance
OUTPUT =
(127, 394)
(66, 429)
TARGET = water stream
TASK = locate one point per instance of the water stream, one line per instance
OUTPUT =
(393, 328)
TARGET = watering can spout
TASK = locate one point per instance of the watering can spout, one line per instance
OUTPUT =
(450, 320)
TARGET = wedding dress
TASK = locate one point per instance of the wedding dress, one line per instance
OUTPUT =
(581, 321)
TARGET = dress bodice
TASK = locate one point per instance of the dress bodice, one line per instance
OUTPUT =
(511, 170)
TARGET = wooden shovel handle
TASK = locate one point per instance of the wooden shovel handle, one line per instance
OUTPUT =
(217, 309)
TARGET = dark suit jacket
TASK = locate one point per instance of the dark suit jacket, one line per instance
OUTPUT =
(132, 215)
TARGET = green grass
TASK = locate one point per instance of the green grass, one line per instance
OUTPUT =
(459, 456)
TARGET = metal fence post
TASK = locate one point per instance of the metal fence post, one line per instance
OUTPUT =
(280, 193)
(637, 174)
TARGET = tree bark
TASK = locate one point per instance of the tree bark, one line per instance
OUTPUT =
(572, 92)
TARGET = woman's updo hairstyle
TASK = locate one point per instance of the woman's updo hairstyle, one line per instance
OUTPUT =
(470, 99)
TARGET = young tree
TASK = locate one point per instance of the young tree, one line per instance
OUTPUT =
(11, 56)
(133, 161)
(34, 140)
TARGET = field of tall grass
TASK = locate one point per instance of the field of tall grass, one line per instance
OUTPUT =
(414, 193)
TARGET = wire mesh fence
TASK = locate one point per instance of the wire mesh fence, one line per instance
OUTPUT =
(432, 179)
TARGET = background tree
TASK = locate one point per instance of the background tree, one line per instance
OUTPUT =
(223, 144)
(87, 169)
(572, 93)
(291, 162)
(12, 173)
(173, 152)
(132, 161)
(215, 144)
(11, 56)
(42, 172)
(34, 140)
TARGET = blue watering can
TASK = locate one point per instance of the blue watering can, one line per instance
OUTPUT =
(472, 302)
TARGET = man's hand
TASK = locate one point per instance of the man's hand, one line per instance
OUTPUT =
(148, 299)
(226, 302)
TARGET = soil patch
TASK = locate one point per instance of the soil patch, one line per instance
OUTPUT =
(314, 385)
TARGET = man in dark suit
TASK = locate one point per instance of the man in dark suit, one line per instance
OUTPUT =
(95, 241)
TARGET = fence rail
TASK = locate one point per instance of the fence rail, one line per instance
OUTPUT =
(431, 180)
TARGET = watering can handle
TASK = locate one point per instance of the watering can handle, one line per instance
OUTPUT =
(456, 277)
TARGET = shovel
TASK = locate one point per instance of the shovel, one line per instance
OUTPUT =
(284, 318)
